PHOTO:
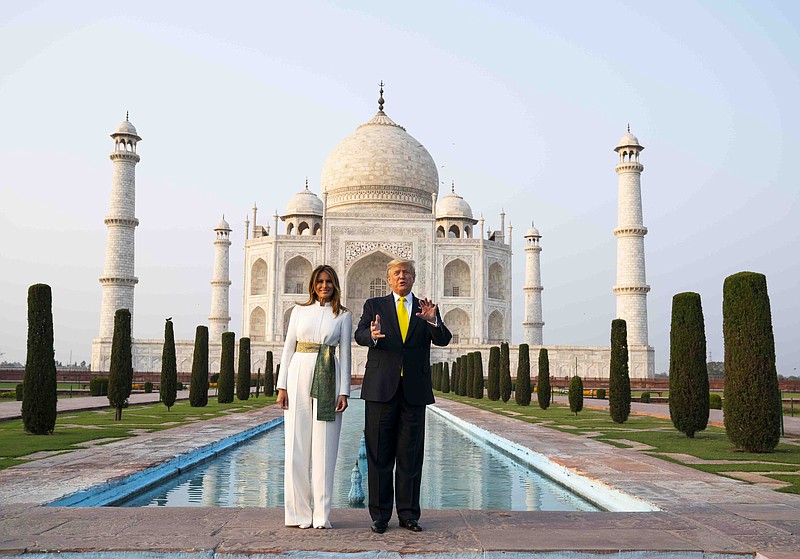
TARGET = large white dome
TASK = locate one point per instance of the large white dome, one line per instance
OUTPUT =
(380, 167)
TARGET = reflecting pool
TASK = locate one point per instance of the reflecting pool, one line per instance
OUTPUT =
(459, 472)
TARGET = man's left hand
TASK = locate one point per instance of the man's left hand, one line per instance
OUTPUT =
(427, 310)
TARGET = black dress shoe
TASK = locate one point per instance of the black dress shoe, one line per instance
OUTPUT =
(379, 526)
(410, 524)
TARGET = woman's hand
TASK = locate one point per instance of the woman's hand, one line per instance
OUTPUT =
(341, 403)
(283, 399)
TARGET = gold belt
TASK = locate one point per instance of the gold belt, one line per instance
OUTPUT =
(306, 347)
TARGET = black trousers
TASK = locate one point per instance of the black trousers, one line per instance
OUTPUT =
(395, 437)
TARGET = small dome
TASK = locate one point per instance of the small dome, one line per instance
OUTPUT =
(629, 140)
(532, 232)
(304, 202)
(453, 206)
(126, 128)
(222, 225)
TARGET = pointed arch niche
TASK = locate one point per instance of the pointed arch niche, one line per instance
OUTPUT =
(457, 279)
(258, 325)
(366, 278)
(497, 282)
(496, 329)
(258, 278)
(286, 316)
(458, 322)
(298, 272)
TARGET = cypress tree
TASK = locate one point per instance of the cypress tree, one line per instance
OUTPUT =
(619, 382)
(445, 378)
(575, 394)
(436, 374)
(277, 372)
(543, 382)
(120, 373)
(505, 373)
(454, 377)
(688, 371)
(39, 398)
(470, 359)
(258, 381)
(493, 380)
(752, 406)
(269, 382)
(522, 395)
(168, 390)
(463, 375)
(243, 378)
(479, 380)
(198, 386)
(225, 382)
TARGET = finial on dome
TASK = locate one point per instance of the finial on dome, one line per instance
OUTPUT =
(453, 187)
(126, 116)
(380, 99)
(306, 183)
(629, 128)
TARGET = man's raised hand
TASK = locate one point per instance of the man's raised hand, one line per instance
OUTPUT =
(375, 328)
(427, 310)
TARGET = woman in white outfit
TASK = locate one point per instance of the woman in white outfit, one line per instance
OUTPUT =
(315, 360)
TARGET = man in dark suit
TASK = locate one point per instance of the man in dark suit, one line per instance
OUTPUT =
(398, 330)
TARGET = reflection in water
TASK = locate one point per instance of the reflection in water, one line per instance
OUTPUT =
(459, 473)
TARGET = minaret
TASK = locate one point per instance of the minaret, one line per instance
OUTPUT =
(220, 283)
(118, 280)
(532, 325)
(631, 288)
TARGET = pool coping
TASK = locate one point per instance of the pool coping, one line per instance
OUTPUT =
(701, 514)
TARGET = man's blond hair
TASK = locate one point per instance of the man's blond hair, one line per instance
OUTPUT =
(401, 262)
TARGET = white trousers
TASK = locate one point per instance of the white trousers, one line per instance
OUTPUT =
(311, 445)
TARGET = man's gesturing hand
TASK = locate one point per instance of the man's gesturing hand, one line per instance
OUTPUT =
(375, 328)
(427, 310)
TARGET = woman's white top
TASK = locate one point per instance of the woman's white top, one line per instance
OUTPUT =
(316, 323)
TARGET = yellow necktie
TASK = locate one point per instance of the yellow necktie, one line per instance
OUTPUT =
(402, 317)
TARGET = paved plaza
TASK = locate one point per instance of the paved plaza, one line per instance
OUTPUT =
(700, 513)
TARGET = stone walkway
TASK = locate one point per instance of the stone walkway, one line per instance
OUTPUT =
(700, 513)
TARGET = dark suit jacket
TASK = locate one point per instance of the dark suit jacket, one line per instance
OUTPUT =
(390, 354)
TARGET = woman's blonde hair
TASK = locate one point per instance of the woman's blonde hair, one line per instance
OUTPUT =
(336, 298)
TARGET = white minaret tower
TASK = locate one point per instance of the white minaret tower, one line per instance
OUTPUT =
(631, 287)
(118, 280)
(220, 283)
(532, 325)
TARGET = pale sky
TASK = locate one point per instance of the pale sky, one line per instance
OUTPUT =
(519, 103)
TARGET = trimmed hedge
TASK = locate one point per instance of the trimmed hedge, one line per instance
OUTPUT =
(120, 373)
(575, 394)
(98, 386)
(39, 397)
(619, 382)
(752, 398)
(269, 381)
(493, 380)
(198, 385)
(243, 378)
(225, 380)
(714, 401)
(522, 394)
(168, 390)
(505, 373)
(446, 378)
(478, 386)
(543, 389)
(688, 371)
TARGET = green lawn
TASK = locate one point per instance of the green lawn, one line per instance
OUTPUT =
(74, 429)
(711, 445)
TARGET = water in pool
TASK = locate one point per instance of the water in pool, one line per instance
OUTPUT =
(458, 473)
